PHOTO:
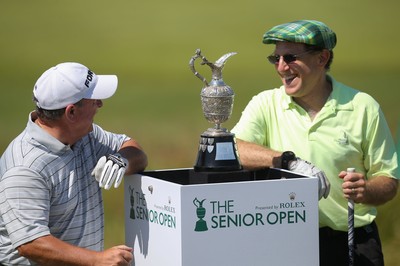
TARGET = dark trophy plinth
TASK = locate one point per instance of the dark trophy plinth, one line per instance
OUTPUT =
(217, 147)
(217, 152)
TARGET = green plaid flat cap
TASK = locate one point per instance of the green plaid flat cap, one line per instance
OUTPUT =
(310, 32)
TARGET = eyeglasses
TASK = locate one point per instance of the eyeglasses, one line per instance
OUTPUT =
(288, 58)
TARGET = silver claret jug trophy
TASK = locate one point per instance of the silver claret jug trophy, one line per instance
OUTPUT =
(217, 149)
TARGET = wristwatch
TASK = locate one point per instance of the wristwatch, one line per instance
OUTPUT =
(286, 157)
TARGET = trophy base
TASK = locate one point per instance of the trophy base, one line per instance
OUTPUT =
(201, 226)
(217, 152)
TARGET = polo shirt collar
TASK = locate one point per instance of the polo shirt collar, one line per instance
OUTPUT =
(43, 137)
(339, 98)
(336, 100)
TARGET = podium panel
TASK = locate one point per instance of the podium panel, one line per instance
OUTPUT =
(244, 223)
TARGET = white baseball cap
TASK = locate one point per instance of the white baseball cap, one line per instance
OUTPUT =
(68, 83)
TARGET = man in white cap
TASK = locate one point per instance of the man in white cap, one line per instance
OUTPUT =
(51, 175)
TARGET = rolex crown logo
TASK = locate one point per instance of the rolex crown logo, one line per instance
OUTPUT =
(292, 196)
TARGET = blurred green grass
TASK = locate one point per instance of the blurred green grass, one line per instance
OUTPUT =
(149, 44)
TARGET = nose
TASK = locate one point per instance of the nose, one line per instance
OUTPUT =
(282, 65)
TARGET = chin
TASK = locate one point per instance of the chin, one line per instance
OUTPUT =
(291, 91)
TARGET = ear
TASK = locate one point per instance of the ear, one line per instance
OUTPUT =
(71, 112)
(324, 57)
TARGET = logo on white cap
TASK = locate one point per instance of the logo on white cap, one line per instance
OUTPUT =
(89, 78)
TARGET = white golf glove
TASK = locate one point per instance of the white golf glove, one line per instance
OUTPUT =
(306, 168)
(110, 168)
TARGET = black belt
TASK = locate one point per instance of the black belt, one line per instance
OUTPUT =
(329, 232)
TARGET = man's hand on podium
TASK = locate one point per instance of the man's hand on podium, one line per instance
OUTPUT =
(110, 168)
(306, 168)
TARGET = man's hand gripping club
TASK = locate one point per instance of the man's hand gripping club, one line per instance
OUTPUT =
(110, 168)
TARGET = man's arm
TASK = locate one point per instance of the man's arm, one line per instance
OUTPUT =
(254, 156)
(48, 250)
(137, 158)
(376, 191)
(380, 190)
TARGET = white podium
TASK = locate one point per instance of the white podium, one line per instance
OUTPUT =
(268, 217)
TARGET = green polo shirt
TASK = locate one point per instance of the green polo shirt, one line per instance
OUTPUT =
(349, 131)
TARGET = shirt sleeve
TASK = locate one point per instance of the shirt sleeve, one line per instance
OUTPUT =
(24, 205)
(380, 152)
(106, 142)
(252, 125)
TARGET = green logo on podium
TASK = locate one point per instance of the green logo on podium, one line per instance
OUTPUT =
(201, 225)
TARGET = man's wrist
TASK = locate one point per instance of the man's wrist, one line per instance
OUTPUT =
(286, 157)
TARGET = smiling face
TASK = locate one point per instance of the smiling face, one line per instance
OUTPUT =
(303, 76)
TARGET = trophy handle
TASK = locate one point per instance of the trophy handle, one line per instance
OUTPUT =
(196, 202)
(215, 68)
(191, 65)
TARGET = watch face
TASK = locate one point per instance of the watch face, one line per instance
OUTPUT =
(287, 156)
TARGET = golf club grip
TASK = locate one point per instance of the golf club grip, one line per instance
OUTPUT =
(350, 234)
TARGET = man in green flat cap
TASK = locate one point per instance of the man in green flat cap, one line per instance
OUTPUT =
(316, 126)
